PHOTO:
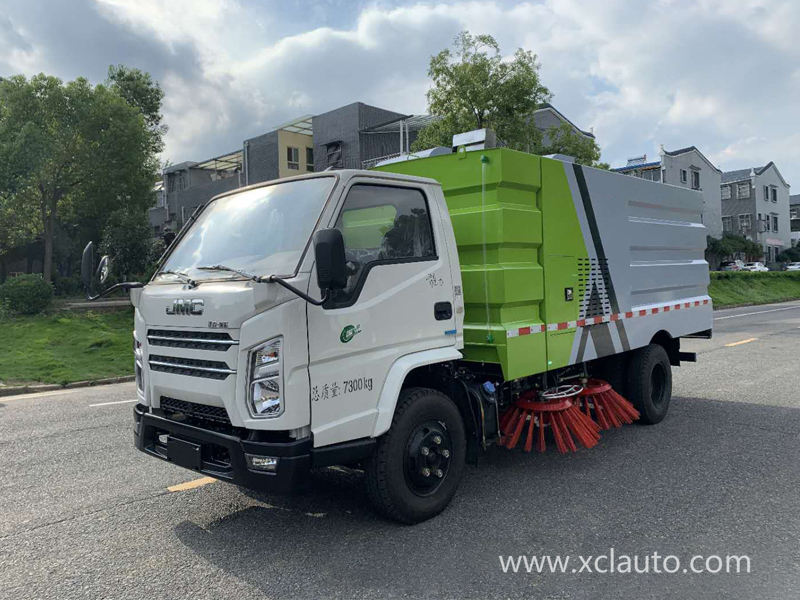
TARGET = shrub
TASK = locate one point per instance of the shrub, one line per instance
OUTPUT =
(27, 294)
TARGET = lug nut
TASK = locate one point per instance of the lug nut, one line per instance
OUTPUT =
(438, 473)
(426, 472)
(437, 440)
(446, 453)
(424, 451)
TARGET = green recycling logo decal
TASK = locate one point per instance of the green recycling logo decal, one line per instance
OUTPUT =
(349, 332)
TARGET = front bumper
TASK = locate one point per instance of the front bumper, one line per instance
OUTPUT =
(222, 455)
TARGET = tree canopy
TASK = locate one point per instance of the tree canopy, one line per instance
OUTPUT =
(475, 88)
(77, 152)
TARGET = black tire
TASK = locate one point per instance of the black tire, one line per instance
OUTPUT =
(649, 383)
(394, 473)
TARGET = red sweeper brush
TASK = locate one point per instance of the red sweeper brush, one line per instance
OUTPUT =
(608, 409)
(556, 409)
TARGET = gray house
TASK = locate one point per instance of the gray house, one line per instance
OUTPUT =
(687, 167)
(187, 185)
(755, 203)
(794, 218)
(548, 116)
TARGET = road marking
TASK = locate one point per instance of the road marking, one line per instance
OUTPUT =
(758, 312)
(740, 343)
(190, 485)
(110, 403)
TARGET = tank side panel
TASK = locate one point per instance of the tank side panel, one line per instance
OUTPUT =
(646, 242)
(563, 249)
(511, 266)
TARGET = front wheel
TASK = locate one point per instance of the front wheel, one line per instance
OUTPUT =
(417, 466)
(650, 383)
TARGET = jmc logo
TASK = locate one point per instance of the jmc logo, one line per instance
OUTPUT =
(186, 307)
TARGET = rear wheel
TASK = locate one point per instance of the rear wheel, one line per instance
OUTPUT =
(649, 383)
(417, 466)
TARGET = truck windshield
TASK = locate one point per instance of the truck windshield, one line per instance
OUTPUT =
(261, 231)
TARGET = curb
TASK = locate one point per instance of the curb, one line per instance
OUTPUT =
(32, 389)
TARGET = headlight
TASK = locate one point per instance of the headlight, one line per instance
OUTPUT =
(264, 394)
(137, 359)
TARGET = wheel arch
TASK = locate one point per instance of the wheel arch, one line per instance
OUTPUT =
(407, 369)
(671, 344)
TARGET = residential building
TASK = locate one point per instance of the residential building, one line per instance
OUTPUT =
(755, 204)
(794, 218)
(348, 136)
(285, 151)
(190, 184)
(686, 167)
(548, 116)
(354, 136)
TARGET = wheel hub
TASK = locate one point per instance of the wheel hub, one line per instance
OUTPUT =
(427, 458)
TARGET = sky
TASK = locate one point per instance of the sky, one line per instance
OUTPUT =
(722, 75)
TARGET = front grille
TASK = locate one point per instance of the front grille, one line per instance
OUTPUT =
(194, 340)
(172, 406)
(210, 369)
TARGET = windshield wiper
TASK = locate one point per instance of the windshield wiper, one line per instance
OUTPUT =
(271, 279)
(183, 276)
(231, 270)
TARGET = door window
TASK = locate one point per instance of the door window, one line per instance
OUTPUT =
(383, 225)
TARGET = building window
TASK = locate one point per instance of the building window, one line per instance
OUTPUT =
(792, 213)
(766, 193)
(726, 192)
(743, 190)
(293, 158)
(695, 180)
(310, 160)
(775, 223)
(745, 222)
(683, 176)
(727, 223)
(766, 222)
(774, 194)
(657, 175)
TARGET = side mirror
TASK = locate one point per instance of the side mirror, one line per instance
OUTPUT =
(103, 269)
(87, 265)
(331, 264)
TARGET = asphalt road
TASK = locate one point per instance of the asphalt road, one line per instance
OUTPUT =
(84, 515)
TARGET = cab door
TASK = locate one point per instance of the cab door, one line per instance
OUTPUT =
(398, 300)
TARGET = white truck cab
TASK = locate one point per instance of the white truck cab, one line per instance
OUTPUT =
(279, 384)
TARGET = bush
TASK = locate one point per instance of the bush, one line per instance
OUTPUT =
(27, 294)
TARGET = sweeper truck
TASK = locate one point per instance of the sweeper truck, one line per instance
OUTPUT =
(402, 319)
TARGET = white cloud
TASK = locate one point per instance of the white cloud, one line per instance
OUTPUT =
(720, 74)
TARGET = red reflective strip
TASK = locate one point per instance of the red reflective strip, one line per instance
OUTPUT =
(524, 330)
(614, 318)
(628, 315)
(561, 326)
(687, 305)
(666, 308)
(598, 320)
(642, 313)
(581, 322)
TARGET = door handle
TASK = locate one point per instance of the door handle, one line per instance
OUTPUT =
(443, 311)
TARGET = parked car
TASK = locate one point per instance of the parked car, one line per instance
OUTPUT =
(731, 265)
(795, 266)
(755, 267)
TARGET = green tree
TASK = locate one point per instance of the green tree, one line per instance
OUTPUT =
(474, 87)
(77, 150)
(128, 239)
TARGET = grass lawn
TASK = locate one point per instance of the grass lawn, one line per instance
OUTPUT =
(66, 346)
(736, 289)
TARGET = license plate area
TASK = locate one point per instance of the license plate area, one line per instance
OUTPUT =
(184, 454)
